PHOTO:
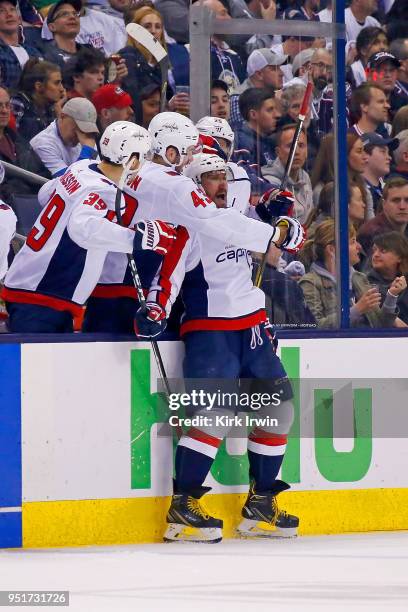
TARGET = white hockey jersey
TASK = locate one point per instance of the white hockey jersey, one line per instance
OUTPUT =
(63, 257)
(215, 278)
(8, 221)
(161, 193)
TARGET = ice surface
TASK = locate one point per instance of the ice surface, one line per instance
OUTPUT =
(361, 572)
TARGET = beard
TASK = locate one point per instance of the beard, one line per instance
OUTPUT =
(320, 83)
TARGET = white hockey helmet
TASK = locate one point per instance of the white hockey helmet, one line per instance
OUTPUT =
(203, 162)
(172, 130)
(122, 139)
(216, 127)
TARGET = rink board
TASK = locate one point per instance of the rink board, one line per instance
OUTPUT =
(81, 462)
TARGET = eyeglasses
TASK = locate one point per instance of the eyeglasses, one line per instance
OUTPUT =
(65, 14)
(323, 66)
(5, 105)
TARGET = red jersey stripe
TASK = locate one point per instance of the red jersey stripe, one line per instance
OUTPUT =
(31, 297)
(219, 324)
(201, 436)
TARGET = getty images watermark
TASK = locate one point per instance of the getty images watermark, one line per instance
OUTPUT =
(200, 402)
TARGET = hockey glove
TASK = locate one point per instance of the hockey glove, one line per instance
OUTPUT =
(295, 237)
(150, 322)
(156, 236)
(274, 203)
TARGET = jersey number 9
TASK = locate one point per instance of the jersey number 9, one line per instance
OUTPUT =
(36, 239)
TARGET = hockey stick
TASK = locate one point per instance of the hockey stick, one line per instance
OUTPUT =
(299, 125)
(138, 284)
(152, 45)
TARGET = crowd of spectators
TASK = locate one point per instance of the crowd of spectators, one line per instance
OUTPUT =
(68, 70)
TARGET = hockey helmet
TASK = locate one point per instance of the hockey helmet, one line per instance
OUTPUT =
(216, 127)
(172, 130)
(122, 139)
(203, 162)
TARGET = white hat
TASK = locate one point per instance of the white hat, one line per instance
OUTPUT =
(264, 57)
(83, 112)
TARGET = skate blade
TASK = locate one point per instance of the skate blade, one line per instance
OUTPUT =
(258, 529)
(184, 533)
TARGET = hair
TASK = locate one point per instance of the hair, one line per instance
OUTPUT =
(324, 206)
(323, 168)
(399, 48)
(393, 183)
(325, 234)
(252, 99)
(366, 37)
(135, 15)
(395, 243)
(361, 95)
(219, 84)
(289, 94)
(34, 71)
(402, 147)
(85, 59)
(400, 121)
(286, 128)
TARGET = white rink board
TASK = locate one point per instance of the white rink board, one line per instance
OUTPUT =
(76, 417)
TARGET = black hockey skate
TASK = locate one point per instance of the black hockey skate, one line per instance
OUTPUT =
(262, 517)
(189, 522)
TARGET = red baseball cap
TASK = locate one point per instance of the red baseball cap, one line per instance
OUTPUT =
(110, 96)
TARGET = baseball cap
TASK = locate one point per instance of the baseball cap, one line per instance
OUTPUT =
(381, 57)
(376, 140)
(110, 96)
(301, 59)
(83, 112)
(13, 2)
(77, 4)
(264, 57)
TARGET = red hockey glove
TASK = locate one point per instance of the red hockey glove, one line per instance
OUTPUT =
(275, 203)
(156, 236)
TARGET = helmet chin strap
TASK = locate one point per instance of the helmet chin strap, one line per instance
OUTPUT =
(127, 172)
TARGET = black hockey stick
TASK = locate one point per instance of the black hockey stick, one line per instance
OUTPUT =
(299, 125)
(138, 284)
(152, 45)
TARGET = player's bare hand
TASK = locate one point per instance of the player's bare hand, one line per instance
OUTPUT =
(398, 285)
(369, 300)
(180, 103)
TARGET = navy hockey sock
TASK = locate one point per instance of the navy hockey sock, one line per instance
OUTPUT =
(265, 454)
(192, 468)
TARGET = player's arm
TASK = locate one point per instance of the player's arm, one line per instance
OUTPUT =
(166, 286)
(8, 221)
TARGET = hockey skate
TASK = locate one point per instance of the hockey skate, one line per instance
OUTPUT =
(262, 517)
(188, 521)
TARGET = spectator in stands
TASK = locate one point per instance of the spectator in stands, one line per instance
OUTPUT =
(370, 40)
(321, 75)
(68, 139)
(323, 211)
(15, 150)
(359, 16)
(150, 104)
(64, 25)
(225, 63)
(399, 48)
(284, 300)
(143, 68)
(299, 181)
(400, 121)
(393, 217)
(40, 91)
(258, 108)
(112, 104)
(401, 156)
(256, 9)
(13, 53)
(382, 69)
(389, 265)
(84, 73)
(103, 32)
(370, 109)
(220, 100)
(264, 70)
(378, 164)
(302, 63)
(356, 205)
(319, 286)
(175, 16)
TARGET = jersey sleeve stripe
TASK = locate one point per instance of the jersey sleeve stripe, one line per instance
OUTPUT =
(169, 265)
(39, 299)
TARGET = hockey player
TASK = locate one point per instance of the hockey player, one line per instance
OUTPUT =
(226, 336)
(8, 221)
(162, 192)
(58, 267)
